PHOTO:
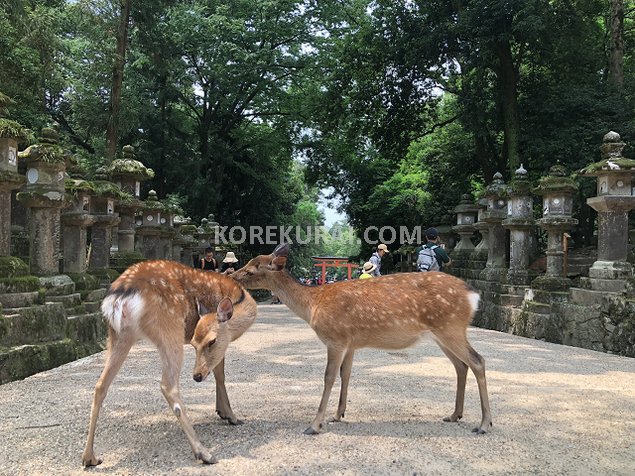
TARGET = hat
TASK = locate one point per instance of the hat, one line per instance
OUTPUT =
(383, 247)
(369, 267)
(432, 233)
(230, 257)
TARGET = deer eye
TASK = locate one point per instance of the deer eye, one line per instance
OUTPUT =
(211, 343)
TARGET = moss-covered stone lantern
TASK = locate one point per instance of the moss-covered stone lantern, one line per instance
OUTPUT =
(102, 206)
(615, 198)
(496, 195)
(128, 173)
(150, 229)
(44, 195)
(76, 218)
(11, 135)
(519, 222)
(557, 189)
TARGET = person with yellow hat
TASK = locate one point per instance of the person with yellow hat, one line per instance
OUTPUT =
(367, 269)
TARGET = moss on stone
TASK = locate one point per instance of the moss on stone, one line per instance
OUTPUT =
(130, 168)
(19, 284)
(6, 176)
(597, 167)
(555, 184)
(122, 261)
(84, 281)
(11, 267)
(14, 130)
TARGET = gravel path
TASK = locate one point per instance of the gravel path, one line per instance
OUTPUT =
(556, 410)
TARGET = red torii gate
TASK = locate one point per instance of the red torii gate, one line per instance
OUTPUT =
(333, 262)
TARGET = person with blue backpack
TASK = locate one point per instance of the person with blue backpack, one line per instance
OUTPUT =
(431, 256)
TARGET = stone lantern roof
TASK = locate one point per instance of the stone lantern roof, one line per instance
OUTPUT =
(104, 188)
(46, 150)
(498, 187)
(612, 158)
(8, 128)
(558, 180)
(128, 166)
(152, 202)
(466, 205)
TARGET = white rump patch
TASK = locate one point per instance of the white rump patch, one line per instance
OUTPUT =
(122, 312)
(474, 298)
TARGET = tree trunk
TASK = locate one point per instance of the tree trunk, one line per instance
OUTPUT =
(112, 130)
(507, 79)
(616, 44)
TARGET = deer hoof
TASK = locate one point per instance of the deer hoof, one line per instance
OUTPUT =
(311, 431)
(232, 420)
(92, 461)
(478, 431)
(206, 457)
(453, 418)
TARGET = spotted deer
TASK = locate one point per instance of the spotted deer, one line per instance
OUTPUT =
(168, 303)
(389, 312)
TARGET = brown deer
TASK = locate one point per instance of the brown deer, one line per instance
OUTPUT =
(167, 303)
(389, 312)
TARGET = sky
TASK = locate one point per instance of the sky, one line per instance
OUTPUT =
(331, 215)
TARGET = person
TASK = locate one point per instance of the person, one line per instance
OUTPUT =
(432, 241)
(376, 257)
(229, 263)
(367, 269)
(208, 262)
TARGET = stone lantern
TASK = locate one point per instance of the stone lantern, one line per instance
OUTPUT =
(188, 230)
(102, 206)
(76, 219)
(519, 222)
(149, 227)
(480, 252)
(44, 195)
(128, 173)
(167, 232)
(496, 195)
(557, 191)
(615, 198)
(466, 213)
(11, 134)
(446, 235)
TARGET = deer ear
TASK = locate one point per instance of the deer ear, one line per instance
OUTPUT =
(277, 263)
(224, 310)
(281, 250)
(202, 310)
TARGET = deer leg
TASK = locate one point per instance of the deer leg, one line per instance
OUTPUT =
(118, 348)
(334, 361)
(461, 348)
(461, 375)
(223, 408)
(172, 360)
(345, 376)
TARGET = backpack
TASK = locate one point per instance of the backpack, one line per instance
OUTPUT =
(427, 259)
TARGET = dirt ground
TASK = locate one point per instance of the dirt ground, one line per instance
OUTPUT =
(556, 410)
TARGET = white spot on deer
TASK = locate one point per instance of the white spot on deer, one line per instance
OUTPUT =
(122, 312)
(474, 298)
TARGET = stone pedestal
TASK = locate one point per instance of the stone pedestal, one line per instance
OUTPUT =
(519, 222)
(74, 241)
(44, 196)
(480, 252)
(557, 190)
(613, 202)
(126, 229)
(103, 210)
(496, 212)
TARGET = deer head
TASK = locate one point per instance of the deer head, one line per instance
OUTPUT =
(255, 274)
(211, 338)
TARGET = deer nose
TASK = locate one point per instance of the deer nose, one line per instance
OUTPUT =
(198, 377)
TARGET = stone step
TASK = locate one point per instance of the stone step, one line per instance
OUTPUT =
(95, 295)
(15, 300)
(19, 362)
(510, 300)
(537, 307)
(34, 324)
(588, 297)
(597, 284)
(88, 327)
(68, 300)
(58, 285)
(92, 306)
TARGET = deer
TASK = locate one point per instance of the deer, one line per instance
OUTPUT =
(388, 312)
(169, 304)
